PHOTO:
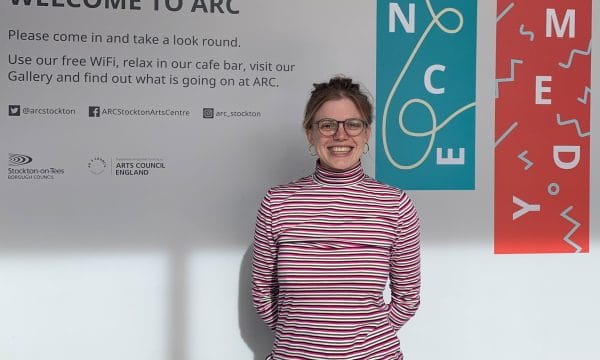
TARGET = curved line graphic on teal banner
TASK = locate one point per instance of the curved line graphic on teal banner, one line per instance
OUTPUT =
(435, 20)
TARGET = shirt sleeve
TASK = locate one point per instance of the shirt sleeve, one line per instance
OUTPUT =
(405, 268)
(264, 266)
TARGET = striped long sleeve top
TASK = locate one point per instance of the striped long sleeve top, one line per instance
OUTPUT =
(324, 247)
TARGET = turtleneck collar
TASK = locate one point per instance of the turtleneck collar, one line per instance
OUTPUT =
(350, 176)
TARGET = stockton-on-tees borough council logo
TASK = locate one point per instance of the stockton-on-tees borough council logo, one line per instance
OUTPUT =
(19, 169)
(97, 165)
(19, 159)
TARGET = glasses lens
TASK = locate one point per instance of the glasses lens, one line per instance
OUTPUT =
(327, 126)
(353, 126)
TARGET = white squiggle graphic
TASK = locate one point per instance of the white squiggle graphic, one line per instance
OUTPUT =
(572, 121)
(501, 15)
(576, 225)
(513, 62)
(435, 20)
(503, 136)
(572, 55)
(522, 31)
(525, 160)
(586, 93)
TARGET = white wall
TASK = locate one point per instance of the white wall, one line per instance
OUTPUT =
(157, 268)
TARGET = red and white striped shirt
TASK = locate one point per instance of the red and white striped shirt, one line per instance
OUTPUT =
(324, 248)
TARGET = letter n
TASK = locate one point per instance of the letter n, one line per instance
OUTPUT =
(396, 12)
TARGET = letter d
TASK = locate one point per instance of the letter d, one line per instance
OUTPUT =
(558, 149)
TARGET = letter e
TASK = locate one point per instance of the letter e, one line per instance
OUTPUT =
(450, 159)
(539, 89)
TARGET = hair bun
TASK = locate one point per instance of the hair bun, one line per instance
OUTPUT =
(338, 82)
(344, 83)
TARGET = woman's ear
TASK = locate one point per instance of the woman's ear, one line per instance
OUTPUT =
(310, 136)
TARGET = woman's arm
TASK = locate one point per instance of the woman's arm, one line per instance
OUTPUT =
(405, 270)
(264, 266)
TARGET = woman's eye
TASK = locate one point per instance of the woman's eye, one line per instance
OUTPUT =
(353, 124)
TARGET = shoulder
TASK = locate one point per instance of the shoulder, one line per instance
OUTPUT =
(371, 184)
(388, 191)
(293, 185)
(376, 183)
(285, 190)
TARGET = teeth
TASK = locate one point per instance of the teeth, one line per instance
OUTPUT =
(340, 148)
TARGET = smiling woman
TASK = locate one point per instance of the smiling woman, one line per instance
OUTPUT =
(331, 109)
(325, 245)
(338, 133)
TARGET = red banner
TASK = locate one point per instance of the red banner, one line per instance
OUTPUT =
(542, 128)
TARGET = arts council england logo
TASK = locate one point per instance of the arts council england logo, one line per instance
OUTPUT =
(126, 166)
(97, 165)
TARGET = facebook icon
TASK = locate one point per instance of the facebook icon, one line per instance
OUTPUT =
(94, 111)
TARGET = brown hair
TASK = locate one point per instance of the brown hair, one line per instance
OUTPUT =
(336, 88)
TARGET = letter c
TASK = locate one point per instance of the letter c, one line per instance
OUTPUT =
(427, 79)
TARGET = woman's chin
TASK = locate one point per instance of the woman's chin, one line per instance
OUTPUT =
(339, 163)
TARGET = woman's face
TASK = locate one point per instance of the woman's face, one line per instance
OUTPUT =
(339, 151)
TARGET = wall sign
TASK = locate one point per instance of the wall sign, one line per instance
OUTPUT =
(426, 94)
(542, 140)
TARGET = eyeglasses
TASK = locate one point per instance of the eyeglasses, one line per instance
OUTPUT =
(353, 127)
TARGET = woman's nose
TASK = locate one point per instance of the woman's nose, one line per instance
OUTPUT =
(340, 133)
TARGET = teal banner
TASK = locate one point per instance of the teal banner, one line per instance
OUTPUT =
(426, 67)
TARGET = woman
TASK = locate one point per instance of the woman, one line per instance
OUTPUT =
(326, 244)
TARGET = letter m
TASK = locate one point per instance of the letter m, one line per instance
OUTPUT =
(396, 13)
(552, 22)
